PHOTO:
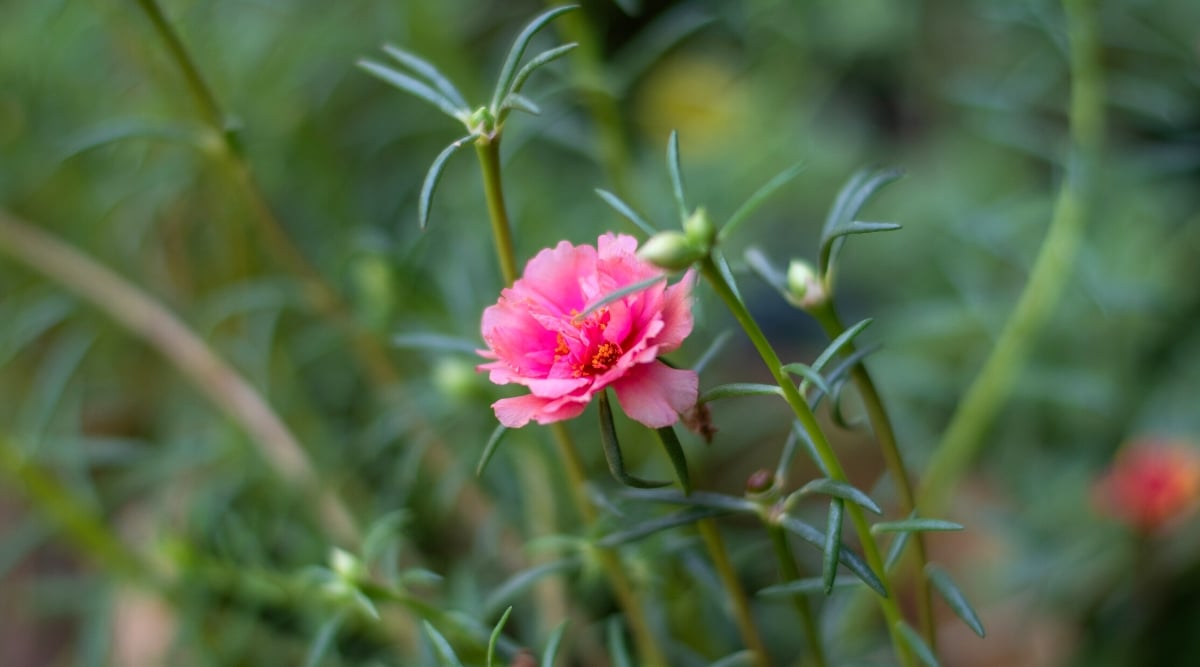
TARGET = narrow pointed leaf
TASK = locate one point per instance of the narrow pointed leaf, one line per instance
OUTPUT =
(838, 375)
(833, 545)
(714, 348)
(673, 168)
(617, 650)
(846, 556)
(708, 499)
(809, 447)
(850, 201)
(917, 645)
(519, 103)
(490, 448)
(674, 450)
(840, 342)
(787, 455)
(429, 71)
(617, 294)
(915, 525)
(626, 212)
(445, 653)
(544, 58)
(553, 644)
(762, 267)
(809, 375)
(612, 450)
(807, 586)
(657, 525)
(843, 490)
(434, 176)
(509, 71)
(739, 389)
(414, 87)
(896, 550)
(522, 581)
(954, 597)
(739, 659)
(761, 195)
(495, 637)
(718, 258)
(324, 640)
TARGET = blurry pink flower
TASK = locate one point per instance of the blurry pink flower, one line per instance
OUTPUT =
(1151, 482)
(536, 337)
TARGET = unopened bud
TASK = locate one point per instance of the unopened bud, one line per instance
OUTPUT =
(803, 286)
(760, 482)
(670, 250)
(345, 565)
(700, 230)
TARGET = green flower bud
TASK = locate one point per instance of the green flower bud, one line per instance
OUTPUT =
(803, 286)
(700, 230)
(345, 564)
(670, 250)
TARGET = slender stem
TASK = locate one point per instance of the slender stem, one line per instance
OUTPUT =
(826, 315)
(983, 399)
(789, 572)
(734, 589)
(891, 611)
(488, 149)
(643, 634)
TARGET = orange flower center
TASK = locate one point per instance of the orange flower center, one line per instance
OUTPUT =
(604, 357)
(586, 348)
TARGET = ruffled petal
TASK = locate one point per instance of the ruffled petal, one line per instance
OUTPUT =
(654, 394)
(516, 412)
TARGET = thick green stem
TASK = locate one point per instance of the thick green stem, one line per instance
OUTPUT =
(808, 421)
(789, 572)
(488, 149)
(826, 315)
(983, 399)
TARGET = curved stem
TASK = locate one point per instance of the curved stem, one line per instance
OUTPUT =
(891, 611)
(789, 572)
(986, 395)
(488, 150)
(881, 424)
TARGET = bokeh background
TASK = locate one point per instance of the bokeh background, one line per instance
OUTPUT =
(103, 144)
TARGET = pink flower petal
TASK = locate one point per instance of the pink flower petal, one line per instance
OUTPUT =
(654, 394)
(517, 411)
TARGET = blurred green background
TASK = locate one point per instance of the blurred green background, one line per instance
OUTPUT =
(103, 144)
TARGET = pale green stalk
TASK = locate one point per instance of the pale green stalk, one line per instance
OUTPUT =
(789, 572)
(888, 604)
(986, 396)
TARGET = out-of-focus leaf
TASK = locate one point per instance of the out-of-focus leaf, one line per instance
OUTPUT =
(495, 637)
(917, 645)
(434, 176)
(811, 376)
(659, 524)
(806, 586)
(523, 580)
(846, 556)
(626, 212)
(735, 389)
(384, 531)
(833, 545)
(414, 87)
(673, 167)
(508, 73)
(915, 525)
(708, 499)
(618, 294)
(761, 195)
(954, 597)
(709, 354)
(843, 490)
(544, 58)
(435, 342)
(324, 640)
(444, 651)
(896, 550)
(612, 450)
(553, 644)
(429, 71)
(490, 448)
(617, 650)
(739, 659)
(670, 443)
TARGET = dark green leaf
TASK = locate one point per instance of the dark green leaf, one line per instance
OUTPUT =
(676, 175)
(833, 545)
(835, 346)
(751, 205)
(674, 451)
(521, 581)
(846, 556)
(912, 525)
(656, 525)
(617, 650)
(553, 644)
(807, 586)
(954, 597)
(809, 447)
(843, 490)
(520, 103)
(434, 176)
(708, 499)
(508, 72)
(626, 212)
(841, 219)
(917, 645)
(895, 550)
(495, 637)
(490, 448)
(612, 450)
(429, 71)
(445, 653)
(839, 373)
(739, 659)
(414, 87)
(739, 389)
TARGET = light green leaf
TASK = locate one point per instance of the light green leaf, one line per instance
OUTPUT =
(833, 544)
(414, 87)
(708, 499)
(673, 168)
(915, 525)
(811, 376)
(838, 343)
(617, 650)
(384, 531)
(544, 58)
(618, 294)
(846, 556)
(954, 597)
(657, 525)
(739, 659)
(522, 581)
(895, 550)
(806, 586)
(324, 640)
(843, 490)
(850, 200)
(489, 449)
(508, 73)
(429, 71)
(626, 212)
(917, 645)
(495, 637)
(434, 176)
(734, 389)
(553, 644)
(761, 195)
(445, 653)
(519, 103)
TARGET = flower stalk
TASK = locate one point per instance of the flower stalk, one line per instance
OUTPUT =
(789, 572)
(808, 421)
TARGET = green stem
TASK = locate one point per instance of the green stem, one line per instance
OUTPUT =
(826, 315)
(891, 611)
(983, 399)
(488, 149)
(789, 572)
(733, 588)
(643, 634)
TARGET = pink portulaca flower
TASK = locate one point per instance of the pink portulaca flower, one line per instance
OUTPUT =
(537, 338)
